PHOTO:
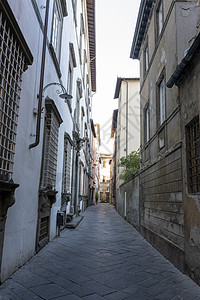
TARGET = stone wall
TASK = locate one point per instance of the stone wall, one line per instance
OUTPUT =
(162, 217)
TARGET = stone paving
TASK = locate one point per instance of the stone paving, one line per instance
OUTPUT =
(103, 258)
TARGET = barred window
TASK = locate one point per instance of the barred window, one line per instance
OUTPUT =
(67, 166)
(193, 155)
(12, 63)
(51, 130)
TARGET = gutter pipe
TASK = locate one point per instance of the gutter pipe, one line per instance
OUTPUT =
(37, 137)
(185, 61)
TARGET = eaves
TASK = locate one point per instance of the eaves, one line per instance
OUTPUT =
(141, 24)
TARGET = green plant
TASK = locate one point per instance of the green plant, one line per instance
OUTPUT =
(130, 164)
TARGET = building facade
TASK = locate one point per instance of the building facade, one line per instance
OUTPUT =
(162, 209)
(104, 176)
(47, 77)
(186, 77)
(128, 120)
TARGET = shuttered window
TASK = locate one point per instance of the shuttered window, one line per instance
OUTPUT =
(67, 166)
(51, 130)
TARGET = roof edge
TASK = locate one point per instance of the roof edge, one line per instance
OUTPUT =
(142, 20)
(185, 61)
(119, 81)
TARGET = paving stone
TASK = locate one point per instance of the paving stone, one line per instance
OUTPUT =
(103, 258)
(93, 297)
(116, 296)
(49, 291)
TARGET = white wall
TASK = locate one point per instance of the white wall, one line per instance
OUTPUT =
(21, 224)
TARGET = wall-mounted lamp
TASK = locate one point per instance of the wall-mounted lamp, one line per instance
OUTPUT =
(62, 94)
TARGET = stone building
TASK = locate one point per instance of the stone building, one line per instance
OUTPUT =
(161, 38)
(128, 120)
(97, 154)
(187, 78)
(113, 162)
(47, 76)
(104, 176)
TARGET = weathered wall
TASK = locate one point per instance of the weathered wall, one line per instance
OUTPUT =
(131, 210)
(162, 205)
(190, 108)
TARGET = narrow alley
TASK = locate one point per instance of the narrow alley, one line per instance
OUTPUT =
(103, 258)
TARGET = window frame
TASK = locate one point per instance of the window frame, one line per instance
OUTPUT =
(50, 108)
(161, 105)
(146, 57)
(193, 156)
(159, 16)
(67, 161)
(10, 88)
(58, 37)
(146, 123)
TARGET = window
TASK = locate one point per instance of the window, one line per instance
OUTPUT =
(161, 91)
(67, 165)
(159, 18)
(146, 123)
(57, 28)
(146, 58)
(72, 65)
(78, 98)
(51, 130)
(193, 155)
(80, 179)
(85, 183)
(81, 36)
(104, 164)
(82, 129)
(12, 64)
(74, 4)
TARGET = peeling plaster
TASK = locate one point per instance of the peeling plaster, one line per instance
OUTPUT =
(163, 56)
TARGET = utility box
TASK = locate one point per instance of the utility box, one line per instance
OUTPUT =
(60, 218)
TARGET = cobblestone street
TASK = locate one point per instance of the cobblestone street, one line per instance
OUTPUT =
(103, 258)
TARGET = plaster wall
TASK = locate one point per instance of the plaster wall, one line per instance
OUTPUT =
(132, 139)
(21, 224)
(129, 208)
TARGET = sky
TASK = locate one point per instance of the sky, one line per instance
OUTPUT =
(115, 27)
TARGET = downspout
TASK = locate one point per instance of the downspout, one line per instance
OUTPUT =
(126, 117)
(37, 137)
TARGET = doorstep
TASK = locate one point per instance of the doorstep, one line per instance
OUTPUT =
(75, 222)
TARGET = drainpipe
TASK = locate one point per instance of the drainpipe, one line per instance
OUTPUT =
(37, 137)
(126, 117)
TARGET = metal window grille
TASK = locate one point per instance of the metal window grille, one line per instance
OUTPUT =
(44, 228)
(11, 69)
(67, 167)
(193, 153)
(50, 150)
